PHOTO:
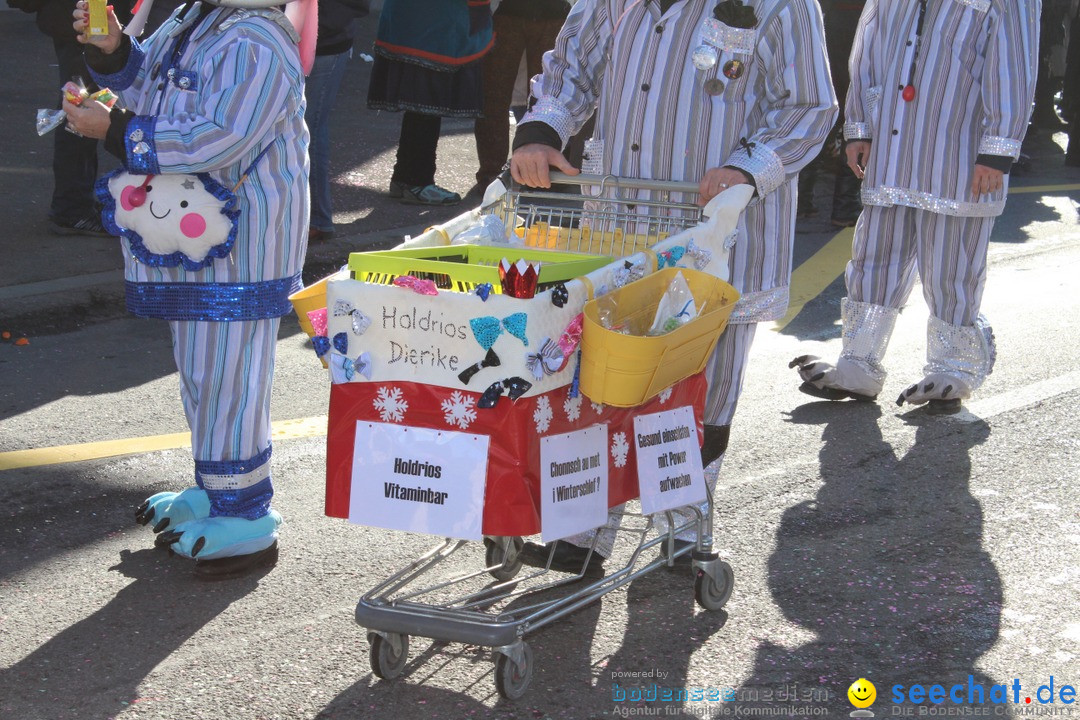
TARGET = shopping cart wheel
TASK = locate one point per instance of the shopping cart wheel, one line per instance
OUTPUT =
(512, 679)
(713, 593)
(503, 554)
(386, 661)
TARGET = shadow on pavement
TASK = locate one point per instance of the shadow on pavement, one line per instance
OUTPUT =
(886, 566)
(92, 670)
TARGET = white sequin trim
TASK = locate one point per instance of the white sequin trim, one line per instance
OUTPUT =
(887, 197)
(857, 131)
(980, 5)
(236, 482)
(736, 40)
(763, 164)
(761, 306)
(994, 145)
(867, 330)
(549, 111)
(968, 351)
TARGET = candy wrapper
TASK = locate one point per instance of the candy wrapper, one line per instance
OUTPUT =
(49, 120)
(98, 23)
(519, 278)
(75, 92)
(106, 97)
(676, 307)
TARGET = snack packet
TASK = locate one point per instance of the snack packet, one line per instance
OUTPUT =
(676, 307)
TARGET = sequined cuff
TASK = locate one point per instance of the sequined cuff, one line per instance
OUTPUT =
(994, 145)
(139, 144)
(857, 131)
(967, 351)
(123, 78)
(761, 306)
(760, 161)
(212, 302)
(237, 488)
(868, 328)
(549, 111)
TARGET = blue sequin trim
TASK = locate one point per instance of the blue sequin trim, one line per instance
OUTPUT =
(231, 467)
(212, 302)
(249, 503)
(122, 80)
(139, 249)
(139, 145)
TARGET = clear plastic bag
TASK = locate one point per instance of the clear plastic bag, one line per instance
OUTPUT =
(676, 307)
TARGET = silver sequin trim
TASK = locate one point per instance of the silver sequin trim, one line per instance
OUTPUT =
(980, 5)
(871, 99)
(236, 482)
(995, 145)
(887, 197)
(867, 330)
(761, 306)
(763, 164)
(857, 131)
(966, 351)
(549, 111)
(136, 135)
(736, 40)
(140, 148)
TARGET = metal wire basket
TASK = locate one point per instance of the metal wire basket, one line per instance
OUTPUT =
(610, 215)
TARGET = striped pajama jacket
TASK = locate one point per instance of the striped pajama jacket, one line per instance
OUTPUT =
(237, 90)
(974, 79)
(659, 116)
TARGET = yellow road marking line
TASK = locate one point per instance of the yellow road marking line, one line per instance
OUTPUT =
(1044, 188)
(807, 282)
(818, 272)
(37, 457)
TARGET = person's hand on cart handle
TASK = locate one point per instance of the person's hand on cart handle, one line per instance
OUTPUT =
(716, 181)
(529, 164)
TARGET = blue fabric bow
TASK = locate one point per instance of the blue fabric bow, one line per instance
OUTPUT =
(670, 257)
(483, 290)
(348, 368)
(487, 329)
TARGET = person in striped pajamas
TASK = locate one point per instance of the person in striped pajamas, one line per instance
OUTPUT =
(716, 93)
(940, 98)
(216, 90)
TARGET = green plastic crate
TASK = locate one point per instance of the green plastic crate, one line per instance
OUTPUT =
(460, 268)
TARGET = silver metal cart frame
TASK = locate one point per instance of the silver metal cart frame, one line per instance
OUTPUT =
(499, 615)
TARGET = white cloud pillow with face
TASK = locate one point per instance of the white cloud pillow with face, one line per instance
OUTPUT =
(171, 219)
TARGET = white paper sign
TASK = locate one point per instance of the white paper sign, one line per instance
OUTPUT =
(419, 480)
(573, 482)
(668, 460)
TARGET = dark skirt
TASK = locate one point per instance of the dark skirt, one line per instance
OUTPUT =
(397, 86)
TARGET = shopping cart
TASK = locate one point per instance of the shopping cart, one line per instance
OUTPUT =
(449, 594)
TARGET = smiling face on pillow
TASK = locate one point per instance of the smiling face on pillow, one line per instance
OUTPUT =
(171, 213)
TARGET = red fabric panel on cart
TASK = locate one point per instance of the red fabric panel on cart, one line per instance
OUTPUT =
(511, 500)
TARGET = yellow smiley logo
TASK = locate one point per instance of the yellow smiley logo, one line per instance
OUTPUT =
(862, 693)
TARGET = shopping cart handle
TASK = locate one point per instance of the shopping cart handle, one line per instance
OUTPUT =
(612, 181)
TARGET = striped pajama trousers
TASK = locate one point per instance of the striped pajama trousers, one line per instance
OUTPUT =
(949, 253)
(226, 371)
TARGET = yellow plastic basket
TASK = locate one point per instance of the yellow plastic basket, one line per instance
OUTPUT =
(627, 370)
(460, 268)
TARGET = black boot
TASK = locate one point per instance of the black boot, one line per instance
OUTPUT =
(715, 445)
(846, 204)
